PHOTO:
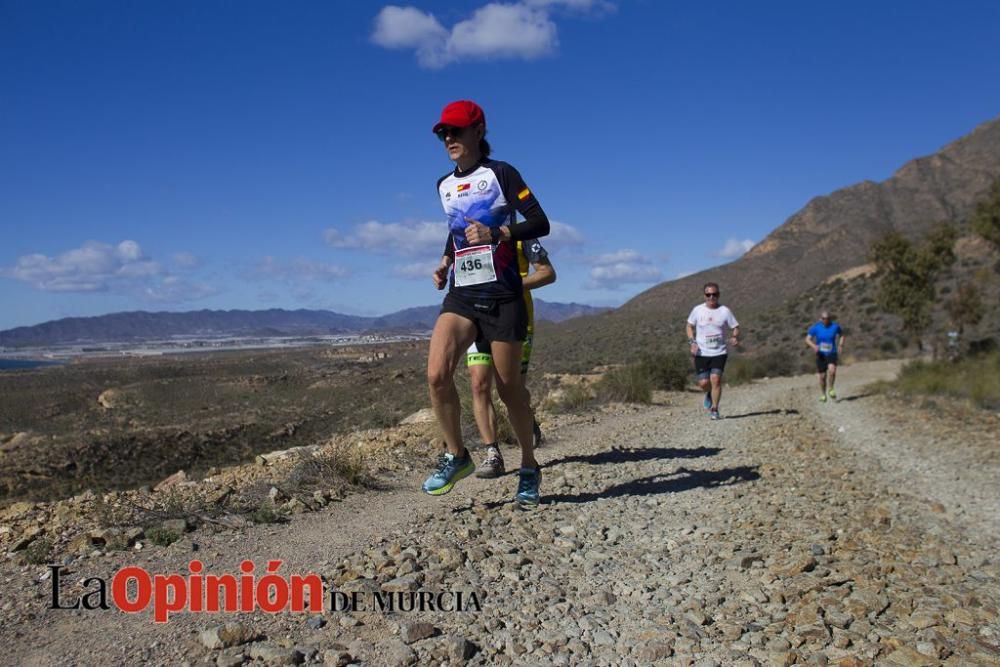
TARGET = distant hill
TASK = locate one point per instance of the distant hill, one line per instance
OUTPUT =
(142, 325)
(831, 235)
(424, 316)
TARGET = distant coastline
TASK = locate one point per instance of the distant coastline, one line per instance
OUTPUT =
(25, 364)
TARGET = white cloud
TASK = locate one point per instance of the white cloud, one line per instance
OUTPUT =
(615, 269)
(735, 248)
(176, 290)
(186, 260)
(396, 238)
(93, 267)
(496, 30)
(614, 276)
(416, 270)
(139, 269)
(128, 251)
(503, 31)
(562, 236)
(410, 28)
(296, 271)
(101, 267)
(619, 257)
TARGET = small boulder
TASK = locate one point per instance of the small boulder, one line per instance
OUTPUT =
(225, 636)
(173, 480)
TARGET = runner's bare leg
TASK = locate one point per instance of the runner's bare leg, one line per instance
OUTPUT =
(507, 362)
(451, 338)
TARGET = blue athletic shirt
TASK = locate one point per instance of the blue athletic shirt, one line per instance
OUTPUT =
(826, 337)
(491, 193)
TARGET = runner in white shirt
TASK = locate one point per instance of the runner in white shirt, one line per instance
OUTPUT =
(706, 331)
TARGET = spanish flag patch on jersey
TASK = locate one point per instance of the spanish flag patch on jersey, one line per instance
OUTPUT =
(462, 187)
(523, 194)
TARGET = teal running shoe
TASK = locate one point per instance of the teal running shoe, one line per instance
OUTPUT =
(527, 486)
(708, 401)
(714, 415)
(450, 469)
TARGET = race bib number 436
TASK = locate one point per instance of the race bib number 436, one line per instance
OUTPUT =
(474, 266)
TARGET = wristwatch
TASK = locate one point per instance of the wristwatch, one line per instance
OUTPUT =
(495, 235)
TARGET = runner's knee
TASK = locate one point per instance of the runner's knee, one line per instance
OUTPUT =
(511, 392)
(480, 386)
(439, 379)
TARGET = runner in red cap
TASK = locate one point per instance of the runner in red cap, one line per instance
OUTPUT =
(481, 199)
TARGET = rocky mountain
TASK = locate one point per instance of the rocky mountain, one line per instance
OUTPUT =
(142, 325)
(830, 235)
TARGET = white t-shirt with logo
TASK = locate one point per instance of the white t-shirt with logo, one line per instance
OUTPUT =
(710, 326)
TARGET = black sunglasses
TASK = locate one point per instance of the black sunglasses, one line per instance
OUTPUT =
(709, 295)
(445, 130)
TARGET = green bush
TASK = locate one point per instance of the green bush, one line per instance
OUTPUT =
(39, 551)
(669, 372)
(888, 346)
(266, 514)
(161, 536)
(740, 369)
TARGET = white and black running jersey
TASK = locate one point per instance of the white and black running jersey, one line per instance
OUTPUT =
(492, 193)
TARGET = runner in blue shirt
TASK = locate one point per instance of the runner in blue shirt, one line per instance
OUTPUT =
(826, 338)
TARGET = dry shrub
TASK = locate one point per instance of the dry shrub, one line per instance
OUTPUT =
(342, 462)
(976, 378)
(628, 384)
(571, 398)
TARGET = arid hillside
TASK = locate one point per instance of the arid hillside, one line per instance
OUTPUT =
(830, 236)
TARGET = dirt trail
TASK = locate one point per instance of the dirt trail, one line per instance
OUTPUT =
(789, 532)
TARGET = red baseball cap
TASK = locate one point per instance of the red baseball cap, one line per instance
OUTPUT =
(463, 113)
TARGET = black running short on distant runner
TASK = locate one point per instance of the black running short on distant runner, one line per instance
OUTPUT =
(824, 360)
(496, 321)
(705, 366)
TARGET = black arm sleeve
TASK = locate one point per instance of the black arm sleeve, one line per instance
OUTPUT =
(449, 247)
(516, 191)
(531, 228)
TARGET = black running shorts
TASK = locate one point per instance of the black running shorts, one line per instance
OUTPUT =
(705, 366)
(824, 360)
(496, 321)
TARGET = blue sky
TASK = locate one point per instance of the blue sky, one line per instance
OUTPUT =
(205, 154)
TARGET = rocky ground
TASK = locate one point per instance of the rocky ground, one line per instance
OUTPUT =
(854, 533)
(120, 423)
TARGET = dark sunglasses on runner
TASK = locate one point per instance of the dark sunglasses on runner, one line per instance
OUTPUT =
(709, 295)
(445, 130)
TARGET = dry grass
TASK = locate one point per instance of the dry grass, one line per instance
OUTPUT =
(975, 378)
